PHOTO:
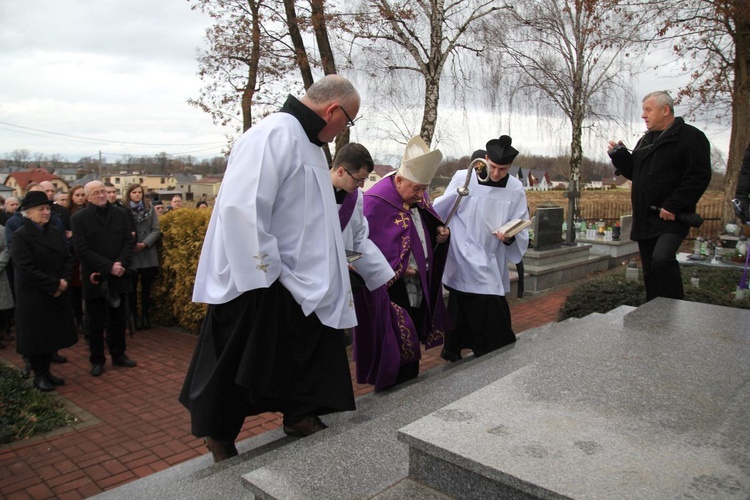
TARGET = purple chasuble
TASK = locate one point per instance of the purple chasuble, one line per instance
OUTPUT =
(386, 337)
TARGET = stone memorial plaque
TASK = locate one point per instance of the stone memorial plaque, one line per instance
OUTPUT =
(626, 222)
(548, 228)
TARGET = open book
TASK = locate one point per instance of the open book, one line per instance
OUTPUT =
(512, 227)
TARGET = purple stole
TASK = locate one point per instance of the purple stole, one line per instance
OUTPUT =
(346, 209)
(386, 337)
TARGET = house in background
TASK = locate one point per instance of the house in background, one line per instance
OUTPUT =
(207, 187)
(377, 173)
(121, 181)
(158, 182)
(69, 175)
(558, 181)
(18, 181)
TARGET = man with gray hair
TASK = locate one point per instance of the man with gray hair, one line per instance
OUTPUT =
(670, 168)
(104, 244)
(273, 270)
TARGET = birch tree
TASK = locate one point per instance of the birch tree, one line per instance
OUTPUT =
(578, 55)
(420, 38)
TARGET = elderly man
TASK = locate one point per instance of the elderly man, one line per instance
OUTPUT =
(670, 167)
(409, 310)
(104, 244)
(273, 271)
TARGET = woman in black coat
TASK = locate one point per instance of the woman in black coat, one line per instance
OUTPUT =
(43, 266)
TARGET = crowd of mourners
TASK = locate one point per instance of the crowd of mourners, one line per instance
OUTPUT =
(88, 261)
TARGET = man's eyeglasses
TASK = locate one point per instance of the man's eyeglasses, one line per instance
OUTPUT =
(360, 182)
(350, 123)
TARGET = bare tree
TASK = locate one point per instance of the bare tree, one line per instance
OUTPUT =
(712, 39)
(577, 55)
(246, 53)
(421, 38)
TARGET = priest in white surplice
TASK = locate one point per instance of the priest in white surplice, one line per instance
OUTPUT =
(274, 273)
(476, 272)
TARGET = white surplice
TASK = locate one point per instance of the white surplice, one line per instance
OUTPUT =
(372, 266)
(276, 218)
(477, 260)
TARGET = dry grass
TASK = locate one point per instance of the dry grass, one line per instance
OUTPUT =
(537, 198)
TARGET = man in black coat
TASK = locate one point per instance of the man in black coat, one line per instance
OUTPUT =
(670, 167)
(103, 242)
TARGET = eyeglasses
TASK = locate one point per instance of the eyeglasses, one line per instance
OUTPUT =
(349, 118)
(360, 182)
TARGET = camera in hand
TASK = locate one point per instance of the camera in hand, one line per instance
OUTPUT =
(615, 150)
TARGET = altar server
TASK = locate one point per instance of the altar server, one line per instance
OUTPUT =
(476, 272)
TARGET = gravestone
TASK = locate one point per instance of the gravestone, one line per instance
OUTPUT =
(548, 227)
(626, 222)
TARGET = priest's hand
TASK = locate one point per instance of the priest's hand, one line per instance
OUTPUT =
(443, 233)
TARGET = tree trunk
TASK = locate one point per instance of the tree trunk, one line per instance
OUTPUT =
(321, 36)
(431, 99)
(299, 45)
(252, 68)
(740, 136)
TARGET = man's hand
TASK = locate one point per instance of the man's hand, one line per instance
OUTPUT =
(117, 269)
(139, 246)
(442, 234)
(500, 236)
(666, 215)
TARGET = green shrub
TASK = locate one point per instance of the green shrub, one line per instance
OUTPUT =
(24, 411)
(183, 233)
(604, 293)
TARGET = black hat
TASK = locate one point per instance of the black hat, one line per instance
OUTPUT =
(500, 151)
(157, 202)
(34, 199)
(479, 153)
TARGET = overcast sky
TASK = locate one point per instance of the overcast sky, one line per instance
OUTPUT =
(116, 76)
(119, 72)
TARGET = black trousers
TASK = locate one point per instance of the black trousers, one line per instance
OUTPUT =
(661, 271)
(102, 317)
(40, 363)
(259, 353)
(482, 323)
(147, 277)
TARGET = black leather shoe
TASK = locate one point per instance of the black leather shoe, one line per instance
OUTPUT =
(56, 358)
(124, 361)
(304, 427)
(97, 370)
(220, 450)
(43, 384)
(55, 380)
(450, 356)
(145, 322)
